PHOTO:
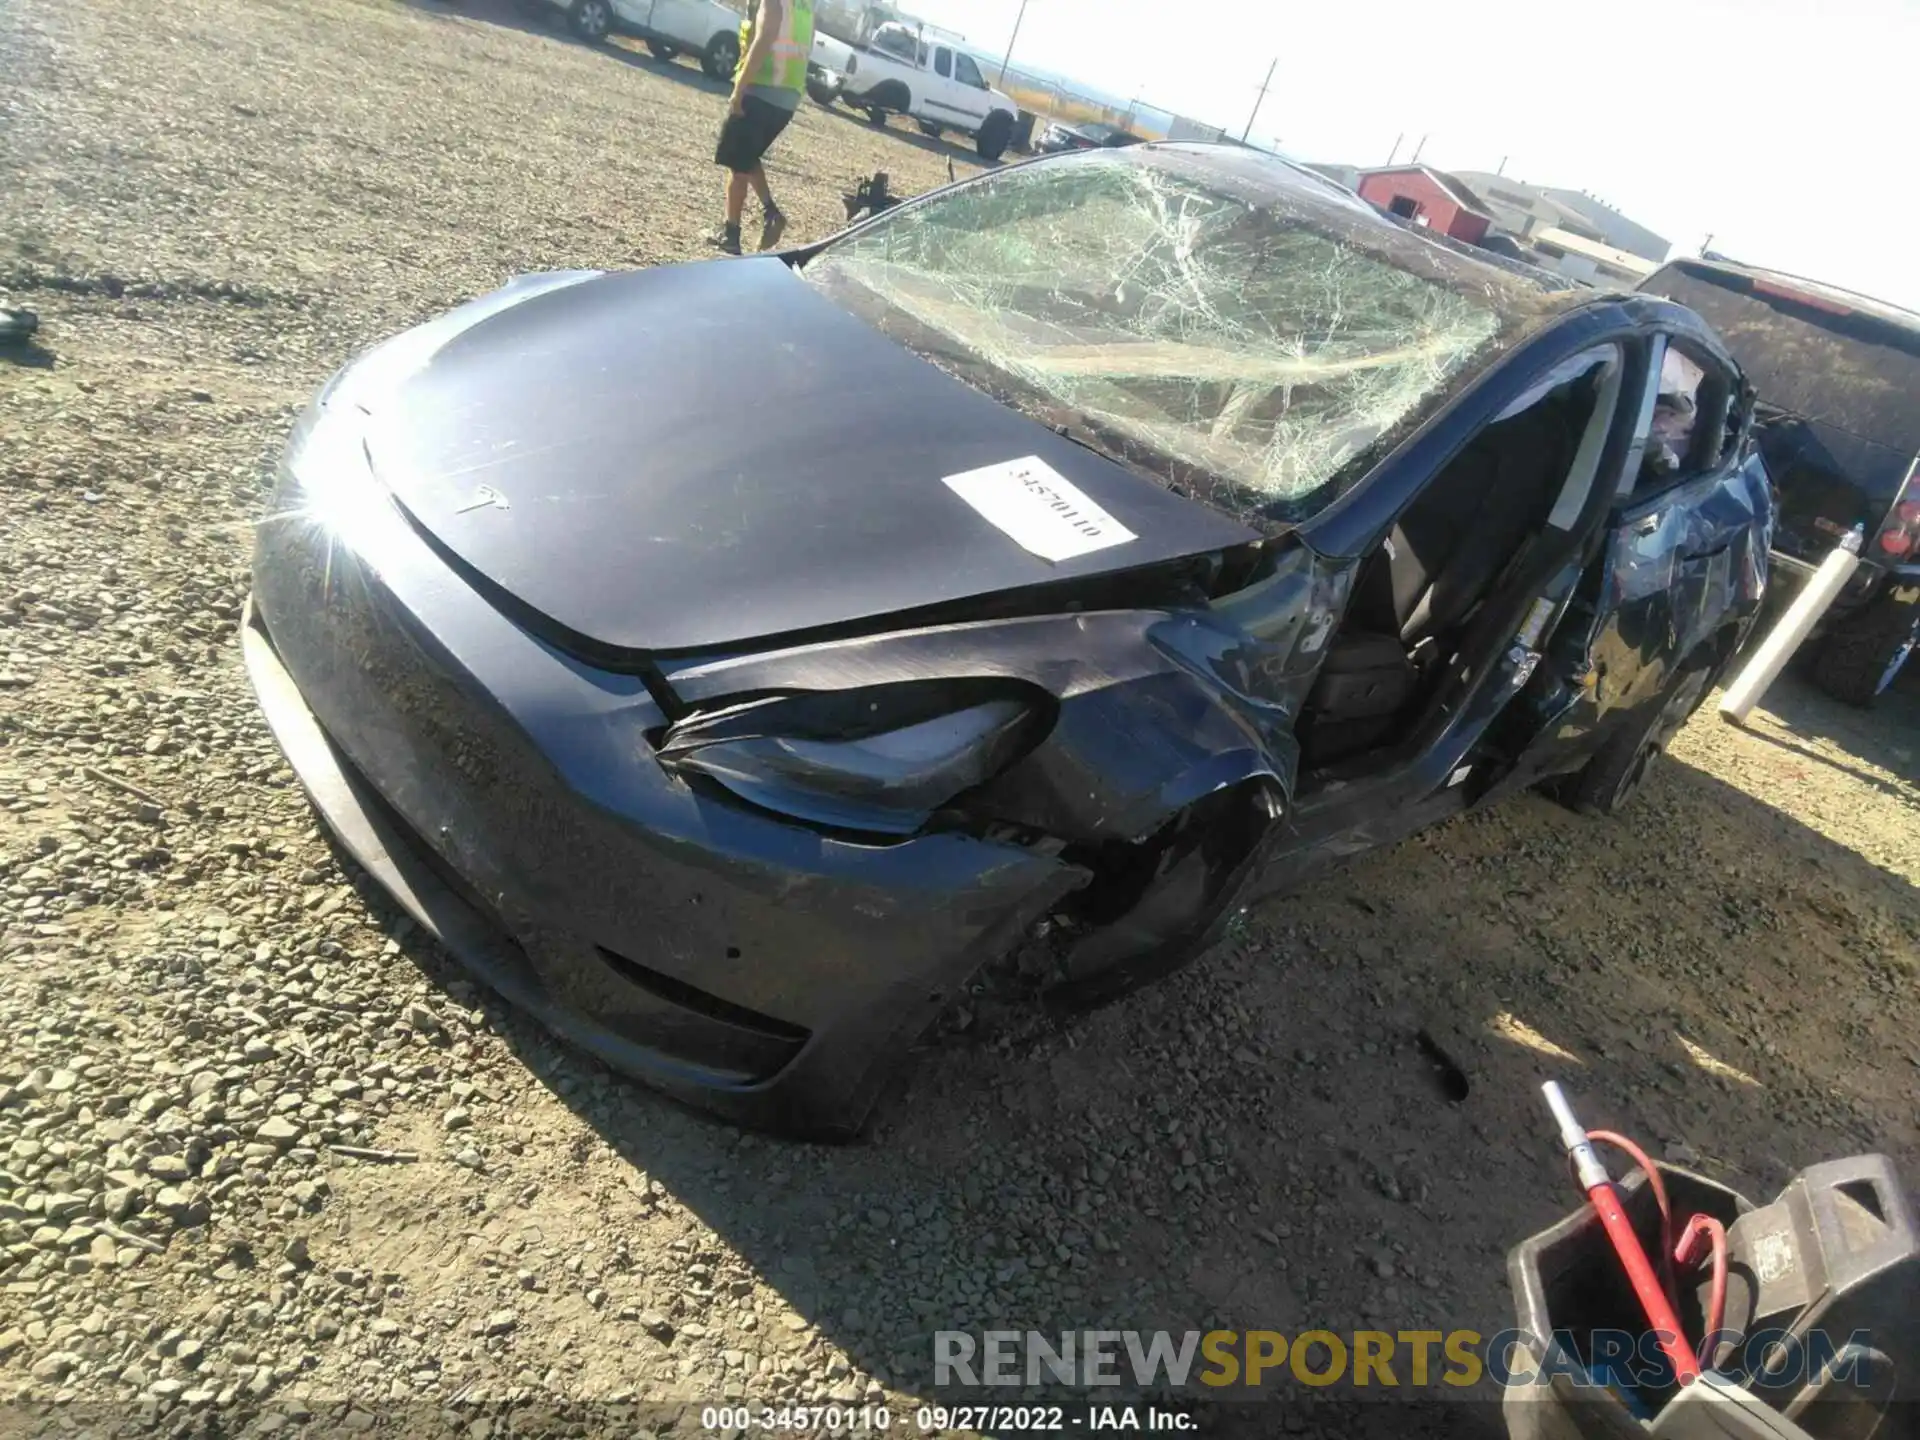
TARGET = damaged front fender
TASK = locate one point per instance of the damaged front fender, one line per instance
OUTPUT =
(1148, 714)
(1153, 709)
(1169, 760)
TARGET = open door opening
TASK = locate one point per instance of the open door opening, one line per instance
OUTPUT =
(1521, 481)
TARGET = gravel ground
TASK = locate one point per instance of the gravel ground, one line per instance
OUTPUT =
(265, 1156)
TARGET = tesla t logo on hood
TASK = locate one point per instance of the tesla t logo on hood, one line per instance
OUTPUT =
(1043, 511)
(485, 498)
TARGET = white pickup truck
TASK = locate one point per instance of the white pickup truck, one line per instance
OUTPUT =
(705, 29)
(901, 71)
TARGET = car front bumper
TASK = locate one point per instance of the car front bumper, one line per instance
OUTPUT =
(506, 795)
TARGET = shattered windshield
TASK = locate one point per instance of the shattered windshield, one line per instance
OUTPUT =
(1256, 347)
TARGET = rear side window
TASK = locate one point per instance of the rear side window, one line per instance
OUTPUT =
(943, 62)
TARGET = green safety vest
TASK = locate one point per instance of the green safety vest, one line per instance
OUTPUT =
(785, 67)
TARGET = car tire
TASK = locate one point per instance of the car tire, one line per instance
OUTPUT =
(1859, 658)
(722, 56)
(1615, 773)
(592, 20)
(663, 49)
(995, 135)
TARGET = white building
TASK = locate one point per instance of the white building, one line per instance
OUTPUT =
(1525, 211)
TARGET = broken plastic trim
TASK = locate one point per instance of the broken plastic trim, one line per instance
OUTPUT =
(1150, 905)
(879, 761)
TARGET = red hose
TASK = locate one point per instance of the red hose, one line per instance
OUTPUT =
(1687, 1253)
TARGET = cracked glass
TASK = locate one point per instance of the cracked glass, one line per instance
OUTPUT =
(1250, 346)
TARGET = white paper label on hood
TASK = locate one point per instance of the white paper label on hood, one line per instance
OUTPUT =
(1040, 508)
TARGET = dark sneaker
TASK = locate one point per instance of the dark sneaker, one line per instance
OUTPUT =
(726, 239)
(772, 229)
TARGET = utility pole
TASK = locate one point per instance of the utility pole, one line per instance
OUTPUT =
(1417, 149)
(1258, 100)
(1391, 154)
(1007, 58)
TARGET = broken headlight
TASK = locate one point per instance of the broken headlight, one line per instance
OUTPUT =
(873, 760)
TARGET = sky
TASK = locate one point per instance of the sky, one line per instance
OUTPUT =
(1785, 129)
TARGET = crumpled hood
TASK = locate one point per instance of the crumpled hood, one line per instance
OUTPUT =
(697, 456)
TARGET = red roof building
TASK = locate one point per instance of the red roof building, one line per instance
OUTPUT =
(1428, 197)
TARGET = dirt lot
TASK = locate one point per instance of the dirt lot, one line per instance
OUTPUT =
(212, 203)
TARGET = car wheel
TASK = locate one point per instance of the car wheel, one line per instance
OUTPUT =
(994, 136)
(1860, 657)
(722, 56)
(592, 19)
(663, 49)
(1614, 775)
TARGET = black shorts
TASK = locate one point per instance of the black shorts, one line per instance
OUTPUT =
(745, 137)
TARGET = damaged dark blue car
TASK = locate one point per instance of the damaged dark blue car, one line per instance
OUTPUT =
(733, 662)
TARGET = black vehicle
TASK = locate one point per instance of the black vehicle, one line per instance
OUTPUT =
(1838, 378)
(1059, 135)
(737, 662)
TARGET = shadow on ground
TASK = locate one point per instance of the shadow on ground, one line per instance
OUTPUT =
(1885, 738)
(28, 354)
(1261, 1141)
(529, 17)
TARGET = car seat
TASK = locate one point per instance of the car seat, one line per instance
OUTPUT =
(1444, 555)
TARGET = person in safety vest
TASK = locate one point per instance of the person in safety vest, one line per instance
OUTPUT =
(775, 40)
